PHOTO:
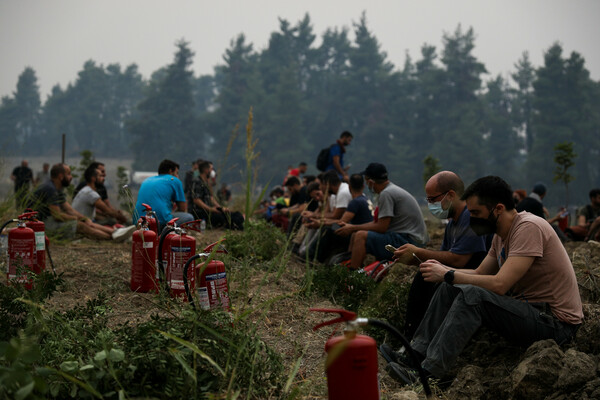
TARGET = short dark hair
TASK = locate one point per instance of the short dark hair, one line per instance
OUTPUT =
(594, 192)
(539, 188)
(357, 182)
(491, 190)
(167, 166)
(292, 181)
(331, 178)
(90, 173)
(276, 191)
(303, 164)
(203, 165)
(311, 187)
(91, 169)
(56, 170)
(309, 178)
(346, 134)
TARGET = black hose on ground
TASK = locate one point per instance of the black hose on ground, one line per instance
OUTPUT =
(411, 353)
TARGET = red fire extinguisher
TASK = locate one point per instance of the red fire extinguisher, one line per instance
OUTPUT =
(151, 218)
(182, 247)
(143, 259)
(164, 251)
(351, 364)
(210, 283)
(39, 231)
(21, 252)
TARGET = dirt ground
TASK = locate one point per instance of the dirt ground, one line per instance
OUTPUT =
(284, 321)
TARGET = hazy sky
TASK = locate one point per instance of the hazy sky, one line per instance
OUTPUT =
(56, 37)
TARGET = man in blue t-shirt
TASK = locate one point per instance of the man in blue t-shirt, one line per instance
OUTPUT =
(160, 192)
(335, 161)
(461, 247)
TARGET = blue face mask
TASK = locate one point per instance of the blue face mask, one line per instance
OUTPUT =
(437, 210)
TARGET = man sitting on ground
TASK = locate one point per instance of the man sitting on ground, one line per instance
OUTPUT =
(88, 200)
(525, 289)
(461, 247)
(398, 220)
(160, 192)
(288, 217)
(60, 218)
(114, 215)
(588, 220)
(206, 207)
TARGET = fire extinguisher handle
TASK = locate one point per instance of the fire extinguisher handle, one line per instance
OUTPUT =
(27, 215)
(345, 316)
(147, 207)
(209, 248)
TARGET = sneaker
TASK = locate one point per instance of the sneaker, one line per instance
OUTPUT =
(403, 374)
(121, 234)
(390, 354)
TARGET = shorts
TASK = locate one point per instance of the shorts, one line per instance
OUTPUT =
(61, 229)
(376, 243)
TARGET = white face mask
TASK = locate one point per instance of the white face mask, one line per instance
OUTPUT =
(212, 174)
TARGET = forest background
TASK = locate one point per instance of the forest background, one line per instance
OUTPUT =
(303, 96)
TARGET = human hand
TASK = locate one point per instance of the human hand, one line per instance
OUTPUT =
(404, 254)
(345, 229)
(433, 271)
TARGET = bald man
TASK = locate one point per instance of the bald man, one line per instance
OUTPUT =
(461, 247)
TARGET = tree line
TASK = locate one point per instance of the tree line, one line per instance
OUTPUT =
(303, 95)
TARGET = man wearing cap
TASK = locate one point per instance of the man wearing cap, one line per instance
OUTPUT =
(397, 221)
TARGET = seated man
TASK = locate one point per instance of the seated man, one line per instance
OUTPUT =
(114, 215)
(461, 247)
(533, 204)
(525, 289)
(88, 200)
(60, 218)
(206, 207)
(397, 221)
(160, 192)
(588, 220)
(288, 217)
(355, 212)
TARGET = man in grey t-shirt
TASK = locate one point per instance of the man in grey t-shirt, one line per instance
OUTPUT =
(398, 220)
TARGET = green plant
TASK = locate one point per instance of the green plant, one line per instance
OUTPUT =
(344, 287)
(431, 166)
(564, 158)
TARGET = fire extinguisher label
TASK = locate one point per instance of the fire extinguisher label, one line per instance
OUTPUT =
(203, 298)
(148, 245)
(20, 255)
(40, 241)
(214, 277)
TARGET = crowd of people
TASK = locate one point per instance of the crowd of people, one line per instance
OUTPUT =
(502, 263)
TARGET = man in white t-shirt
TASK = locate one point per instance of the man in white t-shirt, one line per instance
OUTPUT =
(88, 199)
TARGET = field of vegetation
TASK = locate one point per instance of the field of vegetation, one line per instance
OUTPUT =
(83, 334)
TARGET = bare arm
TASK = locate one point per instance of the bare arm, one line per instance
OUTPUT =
(513, 269)
(445, 257)
(338, 167)
(58, 214)
(380, 226)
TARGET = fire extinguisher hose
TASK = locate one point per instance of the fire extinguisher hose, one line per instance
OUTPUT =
(409, 349)
(50, 257)
(186, 267)
(161, 271)
(8, 222)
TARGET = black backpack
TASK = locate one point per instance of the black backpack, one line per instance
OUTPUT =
(323, 158)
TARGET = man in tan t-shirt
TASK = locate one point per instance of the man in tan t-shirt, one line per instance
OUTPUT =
(525, 289)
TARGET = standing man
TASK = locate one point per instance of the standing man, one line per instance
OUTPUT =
(461, 247)
(397, 220)
(161, 193)
(23, 177)
(525, 289)
(335, 161)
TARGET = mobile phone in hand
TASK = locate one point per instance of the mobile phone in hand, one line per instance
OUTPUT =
(390, 248)
(335, 227)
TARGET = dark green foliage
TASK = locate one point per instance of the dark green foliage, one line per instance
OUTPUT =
(259, 241)
(14, 310)
(346, 288)
(564, 157)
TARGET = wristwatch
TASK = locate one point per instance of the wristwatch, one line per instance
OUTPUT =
(449, 277)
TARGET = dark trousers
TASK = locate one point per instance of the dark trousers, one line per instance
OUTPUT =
(456, 313)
